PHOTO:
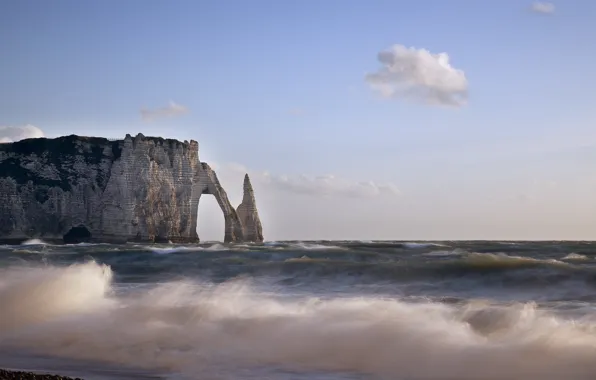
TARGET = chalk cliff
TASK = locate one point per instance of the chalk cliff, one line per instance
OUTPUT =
(75, 188)
(249, 215)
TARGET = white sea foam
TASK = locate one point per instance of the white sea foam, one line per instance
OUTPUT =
(504, 259)
(313, 246)
(204, 329)
(215, 247)
(22, 250)
(167, 250)
(85, 244)
(575, 256)
(454, 252)
(34, 242)
(415, 245)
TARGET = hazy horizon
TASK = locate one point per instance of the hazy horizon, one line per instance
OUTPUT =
(355, 120)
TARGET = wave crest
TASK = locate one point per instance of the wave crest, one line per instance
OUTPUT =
(196, 327)
(39, 294)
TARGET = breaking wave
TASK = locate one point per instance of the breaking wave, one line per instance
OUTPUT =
(196, 327)
(313, 246)
(166, 250)
(503, 260)
(575, 256)
(422, 245)
(34, 242)
(444, 265)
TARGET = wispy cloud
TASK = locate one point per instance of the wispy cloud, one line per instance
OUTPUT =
(170, 110)
(544, 8)
(419, 75)
(16, 133)
(318, 186)
(307, 207)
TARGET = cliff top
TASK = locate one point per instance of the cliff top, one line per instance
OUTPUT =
(67, 144)
(40, 144)
(55, 151)
(58, 147)
(160, 140)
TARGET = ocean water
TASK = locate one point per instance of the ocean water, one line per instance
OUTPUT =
(302, 310)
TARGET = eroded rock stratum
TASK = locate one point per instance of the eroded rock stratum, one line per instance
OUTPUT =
(76, 188)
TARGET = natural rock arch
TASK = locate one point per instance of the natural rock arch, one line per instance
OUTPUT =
(210, 220)
(241, 224)
(209, 184)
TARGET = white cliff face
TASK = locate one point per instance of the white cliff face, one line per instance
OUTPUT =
(136, 189)
(248, 214)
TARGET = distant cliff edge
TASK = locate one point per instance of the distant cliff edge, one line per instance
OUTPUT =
(147, 189)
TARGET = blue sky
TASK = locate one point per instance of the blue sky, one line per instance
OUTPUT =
(281, 87)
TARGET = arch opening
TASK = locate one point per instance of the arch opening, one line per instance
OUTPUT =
(76, 235)
(210, 220)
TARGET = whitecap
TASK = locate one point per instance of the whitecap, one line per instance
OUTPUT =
(443, 253)
(34, 242)
(422, 245)
(216, 247)
(192, 327)
(313, 246)
(575, 256)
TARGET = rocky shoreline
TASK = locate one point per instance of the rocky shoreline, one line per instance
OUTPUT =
(19, 375)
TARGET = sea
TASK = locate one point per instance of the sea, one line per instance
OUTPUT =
(301, 310)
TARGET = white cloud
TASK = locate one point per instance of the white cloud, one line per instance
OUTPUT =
(419, 75)
(544, 8)
(328, 185)
(16, 133)
(170, 110)
(320, 186)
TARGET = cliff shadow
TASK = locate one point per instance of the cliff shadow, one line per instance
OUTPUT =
(76, 235)
(210, 220)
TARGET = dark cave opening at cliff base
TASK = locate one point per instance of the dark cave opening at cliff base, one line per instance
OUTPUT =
(78, 234)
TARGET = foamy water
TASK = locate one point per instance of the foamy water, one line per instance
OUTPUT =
(242, 327)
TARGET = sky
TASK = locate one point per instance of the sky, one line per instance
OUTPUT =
(376, 119)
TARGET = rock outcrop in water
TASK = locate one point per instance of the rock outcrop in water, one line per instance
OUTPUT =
(75, 189)
(248, 214)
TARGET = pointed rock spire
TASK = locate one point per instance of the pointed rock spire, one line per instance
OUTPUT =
(249, 194)
(248, 214)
